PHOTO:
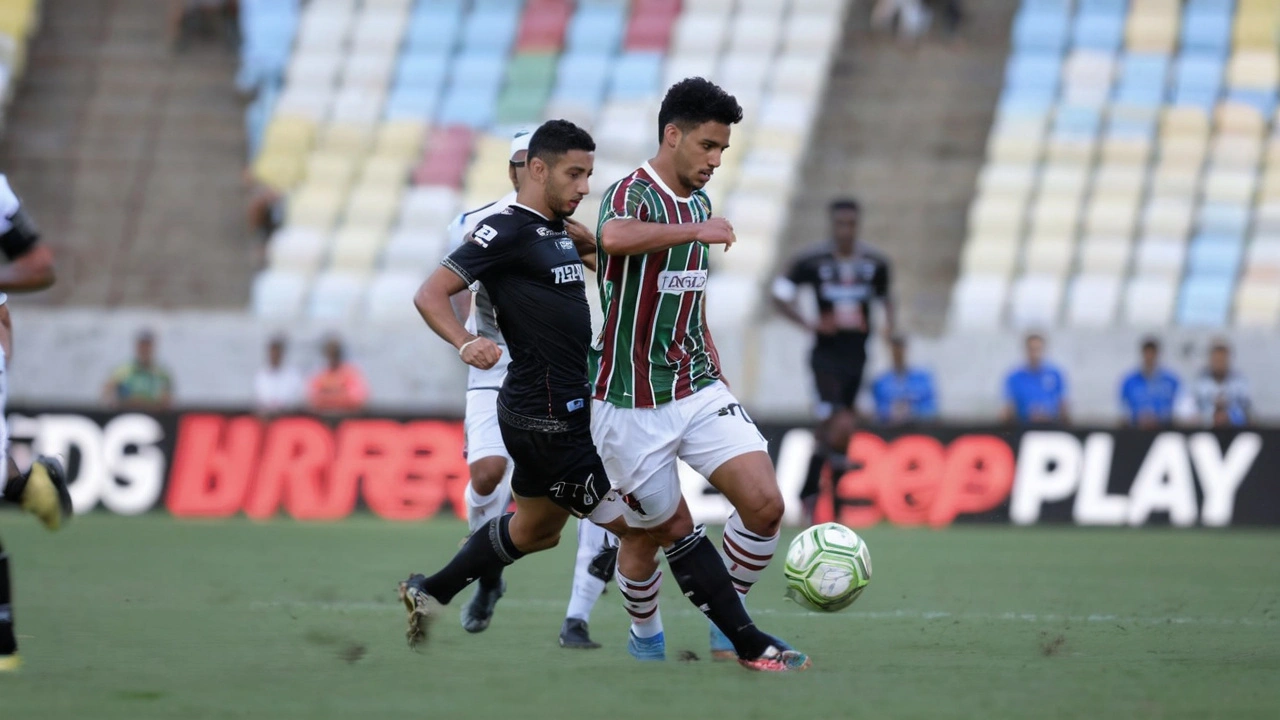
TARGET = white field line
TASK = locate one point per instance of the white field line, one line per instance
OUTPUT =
(910, 615)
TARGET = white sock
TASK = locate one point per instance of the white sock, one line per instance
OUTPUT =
(641, 601)
(483, 508)
(746, 554)
(586, 587)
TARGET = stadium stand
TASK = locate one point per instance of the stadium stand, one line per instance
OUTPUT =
(382, 119)
(1131, 173)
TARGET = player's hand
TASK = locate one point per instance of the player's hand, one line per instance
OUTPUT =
(716, 231)
(582, 237)
(826, 324)
(480, 353)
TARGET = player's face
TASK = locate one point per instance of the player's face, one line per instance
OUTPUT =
(1219, 361)
(1149, 356)
(1035, 351)
(699, 152)
(567, 181)
(899, 355)
(844, 226)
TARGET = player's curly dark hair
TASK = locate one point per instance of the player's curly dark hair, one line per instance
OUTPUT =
(694, 101)
(554, 138)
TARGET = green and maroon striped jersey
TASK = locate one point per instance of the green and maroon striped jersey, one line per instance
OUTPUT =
(655, 346)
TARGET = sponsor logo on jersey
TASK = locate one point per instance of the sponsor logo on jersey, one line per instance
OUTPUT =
(483, 235)
(682, 281)
(547, 232)
(566, 244)
(568, 273)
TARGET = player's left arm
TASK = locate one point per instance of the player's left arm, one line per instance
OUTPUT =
(584, 240)
(30, 265)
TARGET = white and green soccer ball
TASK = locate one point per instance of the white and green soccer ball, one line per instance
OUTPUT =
(828, 567)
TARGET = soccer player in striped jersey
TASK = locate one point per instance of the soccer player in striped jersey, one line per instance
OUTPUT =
(488, 491)
(658, 393)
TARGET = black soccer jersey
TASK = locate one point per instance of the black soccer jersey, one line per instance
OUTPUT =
(534, 277)
(844, 287)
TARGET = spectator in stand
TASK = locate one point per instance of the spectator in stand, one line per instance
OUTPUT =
(1036, 393)
(204, 18)
(904, 394)
(141, 383)
(340, 387)
(1219, 397)
(1148, 393)
(277, 387)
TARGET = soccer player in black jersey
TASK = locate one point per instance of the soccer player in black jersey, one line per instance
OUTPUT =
(42, 490)
(846, 276)
(533, 273)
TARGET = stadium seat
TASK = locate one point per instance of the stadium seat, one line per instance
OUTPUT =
(1254, 69)
(356, 248)
(389, 298)
(1222, 219)
(1104, 255)
(995, 258)
(1149, 301)
(1263, 256)
(1093, 301)
(1257, 304)
(699, 34)
(1157, 257)
(1215, 256)
(278, 294)
(417, 250)
(1207, 29)
(1034, 301)
(977, 302)
(296, 249)
(1205, 301)
(1167, 218)
(335, 296)
(1098, 31)
(1048, 255)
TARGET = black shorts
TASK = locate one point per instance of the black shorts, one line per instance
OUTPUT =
(837, 380)
(560, 464)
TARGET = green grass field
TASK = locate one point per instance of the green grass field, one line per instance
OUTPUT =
(153, 618)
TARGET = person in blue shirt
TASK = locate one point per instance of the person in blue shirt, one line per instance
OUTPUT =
(904, 394)
(1036, 392)
(1148, 393)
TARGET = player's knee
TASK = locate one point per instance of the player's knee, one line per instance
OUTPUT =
(763, 514)
(487, 474)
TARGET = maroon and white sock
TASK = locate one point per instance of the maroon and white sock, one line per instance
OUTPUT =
(640, 598)
(746, 554)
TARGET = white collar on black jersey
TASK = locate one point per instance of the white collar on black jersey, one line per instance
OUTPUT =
(663, 186)
(535, 212)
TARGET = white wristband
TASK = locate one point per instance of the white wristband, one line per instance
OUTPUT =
(465, 344)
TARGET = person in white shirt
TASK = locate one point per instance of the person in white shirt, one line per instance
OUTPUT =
(489, 492)
(277, 387)
(1218, 396)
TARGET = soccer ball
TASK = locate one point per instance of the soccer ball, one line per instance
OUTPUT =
(828, 567)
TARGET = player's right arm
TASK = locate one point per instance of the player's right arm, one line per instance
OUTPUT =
(30, 265)
(786, 292)
(625, 228)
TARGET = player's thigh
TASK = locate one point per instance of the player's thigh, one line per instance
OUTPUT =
(563, 467)
(723, 444)
(828, 390)
(639, 448)
(483, 435)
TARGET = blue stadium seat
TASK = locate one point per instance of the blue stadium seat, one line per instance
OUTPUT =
(1012, 105)
(491, 31)
(1143, 79)
(422, 70)
(1076, 121)
(581, 78)
(596, 29)
(1042, 31)
(1205, 300)
(1099, 7)
(479, 72)
(411, 103)
(267, 30)
(467, 106)
(433, 28)
(1198, 79)
(1132, 121)
(1098, 31)
(1206, 30)
(1224, 6)
(1263, 100)
(637, 75)
(1033, 70)
(1215, 255)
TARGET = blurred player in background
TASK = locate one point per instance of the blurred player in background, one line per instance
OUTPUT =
(488, 492)
(1219, 396)
(846, 275)
(1036, 393)
(659, 396)
(1148, 394)
(904, 394)
(42, 490)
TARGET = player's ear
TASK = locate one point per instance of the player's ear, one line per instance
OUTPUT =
(671, 135)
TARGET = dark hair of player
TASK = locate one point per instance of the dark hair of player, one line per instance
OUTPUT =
(846, 203)
(1032, 337)
(694, 101)
(1150, 343)
(554, 138)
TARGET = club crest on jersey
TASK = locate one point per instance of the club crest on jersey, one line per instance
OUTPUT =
(569, 273)
(566, 244)
(682, 281)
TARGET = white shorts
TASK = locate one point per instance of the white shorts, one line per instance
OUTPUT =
(640, 447)
(484, 438)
